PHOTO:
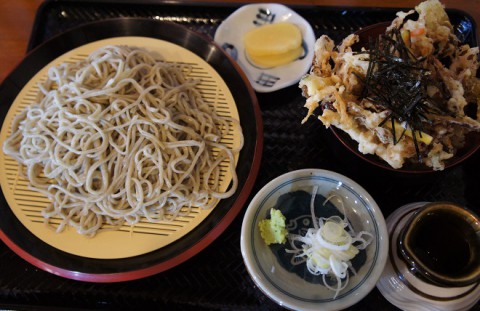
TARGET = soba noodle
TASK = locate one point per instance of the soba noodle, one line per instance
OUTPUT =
(120, 136)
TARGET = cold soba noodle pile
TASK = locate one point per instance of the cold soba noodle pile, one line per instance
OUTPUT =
(120, 136)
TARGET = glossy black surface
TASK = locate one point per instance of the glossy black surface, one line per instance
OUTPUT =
(216, 278)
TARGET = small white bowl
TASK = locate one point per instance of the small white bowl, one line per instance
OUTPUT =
(272, 273)
(231, 31)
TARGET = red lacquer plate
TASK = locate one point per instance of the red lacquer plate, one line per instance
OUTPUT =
(70, 262)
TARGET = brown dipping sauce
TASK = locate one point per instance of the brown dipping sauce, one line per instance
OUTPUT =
(442, 243)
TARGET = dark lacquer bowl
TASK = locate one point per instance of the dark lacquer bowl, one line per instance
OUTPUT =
(472, 139)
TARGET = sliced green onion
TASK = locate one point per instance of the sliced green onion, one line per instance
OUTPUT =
(328, 247)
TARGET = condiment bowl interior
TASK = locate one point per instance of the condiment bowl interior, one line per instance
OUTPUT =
(293, 286)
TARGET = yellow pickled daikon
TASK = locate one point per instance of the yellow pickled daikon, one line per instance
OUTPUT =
(273, 44)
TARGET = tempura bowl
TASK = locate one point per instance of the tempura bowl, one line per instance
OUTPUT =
(472, 139)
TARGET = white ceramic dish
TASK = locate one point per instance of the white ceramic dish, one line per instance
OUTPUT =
(297, 290)
(231, 31)
(401, 287)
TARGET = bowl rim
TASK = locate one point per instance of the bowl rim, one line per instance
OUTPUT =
(287, 301)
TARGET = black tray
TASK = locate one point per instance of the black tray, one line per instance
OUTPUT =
(216, 278)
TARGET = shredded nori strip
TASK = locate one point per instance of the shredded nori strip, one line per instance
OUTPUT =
(397, 81)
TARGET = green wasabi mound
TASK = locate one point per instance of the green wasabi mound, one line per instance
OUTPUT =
(273, 230)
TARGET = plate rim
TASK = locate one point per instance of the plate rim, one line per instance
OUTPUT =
(308, 38)
(82, 35)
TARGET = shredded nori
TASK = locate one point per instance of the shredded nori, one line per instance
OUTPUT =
(397, 81)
